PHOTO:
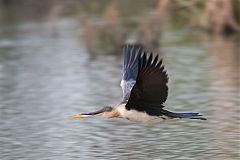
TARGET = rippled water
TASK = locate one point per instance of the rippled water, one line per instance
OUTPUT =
(46, 76)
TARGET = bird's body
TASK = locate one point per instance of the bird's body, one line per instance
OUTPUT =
(120, 111)
(144, 85)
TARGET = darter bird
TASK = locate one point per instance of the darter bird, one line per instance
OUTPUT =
(144, 85)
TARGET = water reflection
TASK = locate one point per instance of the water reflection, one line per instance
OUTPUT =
(224, 96)
(44, 78)
(105, 35)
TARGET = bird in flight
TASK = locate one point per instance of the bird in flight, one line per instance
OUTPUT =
(144, 86)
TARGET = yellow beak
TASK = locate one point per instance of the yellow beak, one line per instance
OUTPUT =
(79, 116)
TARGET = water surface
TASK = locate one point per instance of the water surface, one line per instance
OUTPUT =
(46, 76)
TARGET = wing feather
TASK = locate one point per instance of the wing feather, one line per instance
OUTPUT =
(150, 90)
(132, 54)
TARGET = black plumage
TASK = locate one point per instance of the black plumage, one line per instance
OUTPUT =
(150, 90)
(132, 53)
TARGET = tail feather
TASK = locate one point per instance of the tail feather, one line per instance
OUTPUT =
(189, 115)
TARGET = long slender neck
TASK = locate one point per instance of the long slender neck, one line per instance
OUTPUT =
(117, 112)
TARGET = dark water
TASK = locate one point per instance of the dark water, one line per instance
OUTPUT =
(46, 76)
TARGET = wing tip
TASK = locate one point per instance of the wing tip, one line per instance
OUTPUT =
(136, 45)
(131, 52)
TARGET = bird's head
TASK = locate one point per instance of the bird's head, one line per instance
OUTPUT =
(106, 111)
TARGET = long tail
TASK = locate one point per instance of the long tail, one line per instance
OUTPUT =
(189, 115)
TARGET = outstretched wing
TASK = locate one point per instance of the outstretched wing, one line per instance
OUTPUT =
(150, 90)
(132, 54)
